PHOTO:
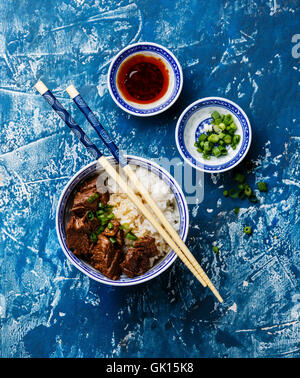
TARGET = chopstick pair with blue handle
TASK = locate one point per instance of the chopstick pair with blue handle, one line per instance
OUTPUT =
(95, 123)
(65, 116)
(90, 116)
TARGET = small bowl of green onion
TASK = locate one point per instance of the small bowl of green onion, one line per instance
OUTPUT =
(213, 134)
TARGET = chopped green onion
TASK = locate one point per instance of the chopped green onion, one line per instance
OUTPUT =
(233, 126)
(99, 213)
(225, 193)
(214, 138)
(215, 115)
(108, 208)
(110, 226)
(125, 226)
(239, 178)
(215, 249)
(217, 129)
(248, 230)
(99, 230)
(247, 190)
(93, 197)
(90, 215)
(236, 139)
(100, 205)
(262, 186)
(93, 237)
(216, 151)
(233, 193)
(103, 219)
(227, 139)
(236, 210)
(131, 236)
(110, 216)
(209, 143)
(207, 146)
(228, 119)
(113, 240)
(202, 138)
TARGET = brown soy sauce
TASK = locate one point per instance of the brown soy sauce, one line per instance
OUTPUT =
(143, 79)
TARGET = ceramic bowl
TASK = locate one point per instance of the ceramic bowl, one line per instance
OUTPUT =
(175, 79)
(192, 123)
(62, 215)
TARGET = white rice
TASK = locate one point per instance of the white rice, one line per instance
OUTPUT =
(126, 212)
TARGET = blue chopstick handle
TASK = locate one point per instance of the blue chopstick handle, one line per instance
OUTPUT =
(66, 117)
(90, 116)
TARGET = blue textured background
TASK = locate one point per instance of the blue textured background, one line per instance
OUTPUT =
(236, 49)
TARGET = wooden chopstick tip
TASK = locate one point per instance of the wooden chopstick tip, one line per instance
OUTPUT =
(72, 91)
(41, 87)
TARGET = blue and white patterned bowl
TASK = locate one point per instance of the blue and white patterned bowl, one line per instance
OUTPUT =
(192, 123)
(64, 206)
(175, 79)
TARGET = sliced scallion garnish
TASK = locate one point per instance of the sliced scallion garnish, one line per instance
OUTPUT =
(93, 197)
(131, 236)
(262, 186)
(90, 215)
(248, 230)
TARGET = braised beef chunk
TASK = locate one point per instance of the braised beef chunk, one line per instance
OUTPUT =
(137, 259)
(147, 244)
(90, 224)
(106, 258)
(99, 240)
(135, 263)
(88, 197)
(77, 237)
(120, 237)
(77, 224)
(82, 224)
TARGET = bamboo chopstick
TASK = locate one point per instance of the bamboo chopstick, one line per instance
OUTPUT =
(61, 111)
(139, 204)
(81, 104)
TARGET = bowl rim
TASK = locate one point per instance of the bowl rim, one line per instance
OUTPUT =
(81, 266)
(202, 169)
(128, 110)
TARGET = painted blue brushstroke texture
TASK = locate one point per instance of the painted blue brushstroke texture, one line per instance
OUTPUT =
(241, 50)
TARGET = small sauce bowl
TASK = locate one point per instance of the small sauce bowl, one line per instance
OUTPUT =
(162, 103)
